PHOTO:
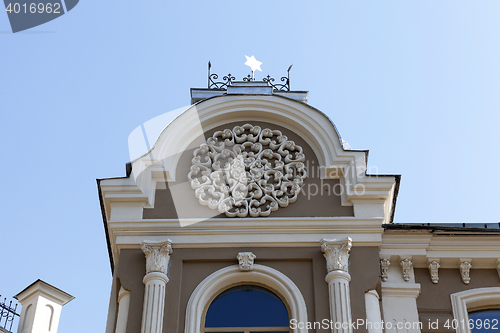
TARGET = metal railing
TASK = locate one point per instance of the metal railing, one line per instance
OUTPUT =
(214, 83)
(8, 314)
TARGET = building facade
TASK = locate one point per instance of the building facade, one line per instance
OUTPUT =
(250, 214)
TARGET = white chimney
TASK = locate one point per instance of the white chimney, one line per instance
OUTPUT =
(41, 307)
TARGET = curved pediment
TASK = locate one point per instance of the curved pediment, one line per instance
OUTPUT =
(307, 122)
(192, 128)
(157, 197)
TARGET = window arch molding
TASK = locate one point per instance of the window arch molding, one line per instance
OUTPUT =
(264, 275)
(465, 301)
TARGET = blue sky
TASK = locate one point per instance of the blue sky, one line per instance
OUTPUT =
(415, 82)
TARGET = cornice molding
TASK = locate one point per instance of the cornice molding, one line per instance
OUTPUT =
(121, 191)
(252, 232)
(481, 249)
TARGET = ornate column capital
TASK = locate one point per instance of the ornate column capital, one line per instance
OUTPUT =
(157, 256)
(246, 260)
(336, 253)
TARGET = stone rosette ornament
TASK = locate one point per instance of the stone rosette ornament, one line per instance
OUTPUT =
(247, 171)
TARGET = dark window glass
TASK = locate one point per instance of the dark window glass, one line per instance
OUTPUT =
(247, 306)
(485, 321)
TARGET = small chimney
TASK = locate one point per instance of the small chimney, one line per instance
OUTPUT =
(41, 307)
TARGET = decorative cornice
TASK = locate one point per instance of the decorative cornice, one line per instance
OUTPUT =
(422, 245)
(224, 232)
(433, 269)
(406, 264)
(465, 266)
(384, 266)
(157, 256)
(246, 260)
(336, 253)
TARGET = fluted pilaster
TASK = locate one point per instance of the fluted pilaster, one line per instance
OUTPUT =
(123, 306)
(155, 280)
(336, 253)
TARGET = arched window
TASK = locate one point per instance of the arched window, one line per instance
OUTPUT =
(484, 321)
(223, 279)
(247, 309)
(476, 305)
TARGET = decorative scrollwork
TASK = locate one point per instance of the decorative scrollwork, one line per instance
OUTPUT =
(247, 171)
(221, 85)
(228, 79)
(278, 86)
(8, 314)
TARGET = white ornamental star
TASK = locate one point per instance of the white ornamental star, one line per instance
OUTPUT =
(253, 63)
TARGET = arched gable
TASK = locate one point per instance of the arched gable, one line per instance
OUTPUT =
(187, 132)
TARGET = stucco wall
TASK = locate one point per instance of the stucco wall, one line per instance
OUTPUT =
(304, 266)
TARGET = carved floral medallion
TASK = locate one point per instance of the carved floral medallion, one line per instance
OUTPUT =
(247, 171)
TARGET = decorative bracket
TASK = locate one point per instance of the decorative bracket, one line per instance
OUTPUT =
(406, 264)
(465, 266)
(336, 253)
(157, 256)
(433, 265)
(384, 266)
(498, 267)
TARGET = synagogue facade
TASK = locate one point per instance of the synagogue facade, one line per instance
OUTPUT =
(251, 214)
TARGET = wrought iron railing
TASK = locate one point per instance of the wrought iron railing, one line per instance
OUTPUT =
(8, 314)
(227, 80)
(279, 86)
